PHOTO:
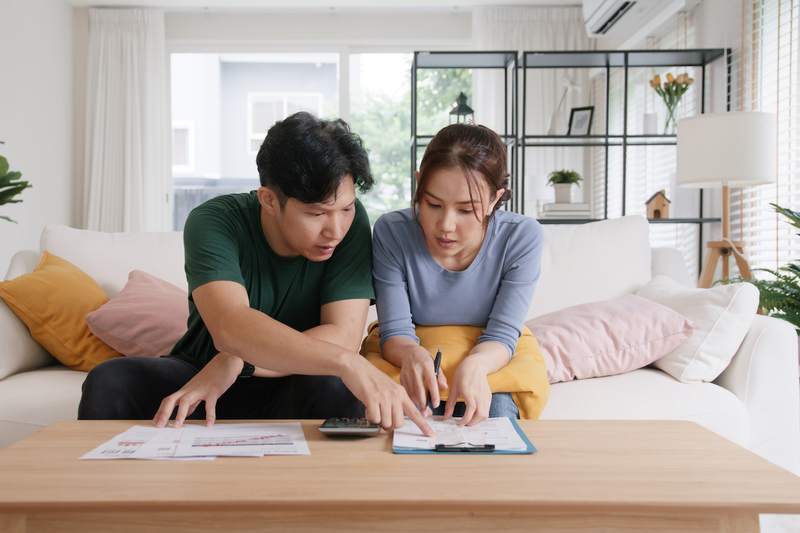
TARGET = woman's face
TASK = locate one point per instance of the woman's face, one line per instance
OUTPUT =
(453, 224)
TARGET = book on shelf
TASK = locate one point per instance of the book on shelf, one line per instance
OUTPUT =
(551, 216)
(565, 207)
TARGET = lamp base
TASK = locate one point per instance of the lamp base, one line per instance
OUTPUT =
(723, 250)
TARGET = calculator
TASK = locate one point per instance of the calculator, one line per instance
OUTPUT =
(349, 427)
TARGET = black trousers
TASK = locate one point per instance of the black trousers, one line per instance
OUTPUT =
(131, 388)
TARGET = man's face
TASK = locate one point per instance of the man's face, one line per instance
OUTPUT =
(314, 230)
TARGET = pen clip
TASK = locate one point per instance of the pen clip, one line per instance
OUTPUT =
(437, 362)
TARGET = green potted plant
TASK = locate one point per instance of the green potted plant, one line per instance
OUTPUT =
(10, 186)
(780, 295)
(562, 181)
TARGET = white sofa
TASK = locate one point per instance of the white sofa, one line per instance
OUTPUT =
(754, 402)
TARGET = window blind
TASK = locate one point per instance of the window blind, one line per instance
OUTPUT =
(650, 168)
(768, 79)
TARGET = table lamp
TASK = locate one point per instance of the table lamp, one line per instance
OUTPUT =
(726, 150)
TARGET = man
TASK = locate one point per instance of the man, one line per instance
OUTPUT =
(280, 283)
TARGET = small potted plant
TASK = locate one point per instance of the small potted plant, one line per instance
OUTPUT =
(562, 181)
(10, 186)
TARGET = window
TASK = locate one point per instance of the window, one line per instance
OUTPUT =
(222, 107)
(380, 112)
(265, 109)
(649, 168)
(182, 148)
(769, 80)
(232, 100)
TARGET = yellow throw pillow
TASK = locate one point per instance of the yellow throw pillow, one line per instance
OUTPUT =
(525, 377)
(53, 301)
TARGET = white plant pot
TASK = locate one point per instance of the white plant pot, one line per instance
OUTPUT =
(563, 193)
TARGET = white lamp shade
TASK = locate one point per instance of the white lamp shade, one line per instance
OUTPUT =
(736, 149)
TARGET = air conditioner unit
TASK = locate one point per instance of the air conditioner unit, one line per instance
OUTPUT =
(625, 21)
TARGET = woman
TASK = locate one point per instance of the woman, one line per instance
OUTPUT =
(455, 259)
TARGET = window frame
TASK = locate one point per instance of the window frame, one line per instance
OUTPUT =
(254, 97)
(188, 168)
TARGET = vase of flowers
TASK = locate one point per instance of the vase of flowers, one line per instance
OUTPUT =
(671, 91)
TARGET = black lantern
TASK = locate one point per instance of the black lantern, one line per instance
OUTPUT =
(462, 112)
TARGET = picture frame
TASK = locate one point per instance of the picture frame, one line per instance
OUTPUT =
(580, 120)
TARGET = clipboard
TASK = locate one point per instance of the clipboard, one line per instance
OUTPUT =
(472, 449)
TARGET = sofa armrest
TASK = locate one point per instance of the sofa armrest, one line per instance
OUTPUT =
(18, 351)
(764, 376)
(22, 263)
(669, 262)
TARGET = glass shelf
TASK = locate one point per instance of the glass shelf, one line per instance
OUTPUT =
(616, 59)
(650, 220)
(465, 59)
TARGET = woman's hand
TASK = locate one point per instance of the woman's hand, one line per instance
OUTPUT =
(472, 384)
(206, 386)
(417, 376)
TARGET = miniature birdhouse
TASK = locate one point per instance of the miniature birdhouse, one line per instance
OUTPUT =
(658, 205)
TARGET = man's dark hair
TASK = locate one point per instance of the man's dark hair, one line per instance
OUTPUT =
(306, 158)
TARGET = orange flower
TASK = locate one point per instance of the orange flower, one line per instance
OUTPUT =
(670, 78)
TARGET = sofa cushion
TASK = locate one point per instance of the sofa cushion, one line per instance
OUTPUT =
(607, 338)
(53, 301)
(145, 319)
(721, 315)
(32, 400)
(650, 394)
(109, 257)
(591, 262)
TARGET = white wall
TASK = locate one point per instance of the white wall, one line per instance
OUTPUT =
(424, 28)
(36, 117)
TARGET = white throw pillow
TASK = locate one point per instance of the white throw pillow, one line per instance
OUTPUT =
(721, 317)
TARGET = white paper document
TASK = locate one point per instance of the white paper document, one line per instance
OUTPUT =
(244, 440)
(199, 442)
(498, 431)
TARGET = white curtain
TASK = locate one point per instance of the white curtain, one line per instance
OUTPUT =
(535, 29)
(128, 133)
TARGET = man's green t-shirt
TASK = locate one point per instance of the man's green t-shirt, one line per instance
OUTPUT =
(223, 241)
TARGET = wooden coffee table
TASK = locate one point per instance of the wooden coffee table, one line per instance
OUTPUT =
(619, 475)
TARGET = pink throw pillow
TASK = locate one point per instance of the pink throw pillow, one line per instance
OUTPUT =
(146, 318)
(607, 338)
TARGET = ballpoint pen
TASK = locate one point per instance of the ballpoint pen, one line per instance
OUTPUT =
(437, 363)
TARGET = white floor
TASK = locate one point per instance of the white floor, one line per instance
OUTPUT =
(780, 523)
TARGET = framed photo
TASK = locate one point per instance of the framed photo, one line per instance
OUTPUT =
(580, 120)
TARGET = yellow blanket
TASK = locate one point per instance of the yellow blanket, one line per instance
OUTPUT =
(525, 377)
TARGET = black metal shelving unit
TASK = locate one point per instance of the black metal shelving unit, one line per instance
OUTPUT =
(626, 60)
(519, 140)
(501, 60)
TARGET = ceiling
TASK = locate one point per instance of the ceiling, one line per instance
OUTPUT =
(447, 5)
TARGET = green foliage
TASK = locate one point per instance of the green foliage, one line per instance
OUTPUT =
(438, 90)
(10, 186)
(384, 124)
(780, 294)
(564, 176)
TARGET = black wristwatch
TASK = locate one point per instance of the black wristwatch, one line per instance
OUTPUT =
(247, 370)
